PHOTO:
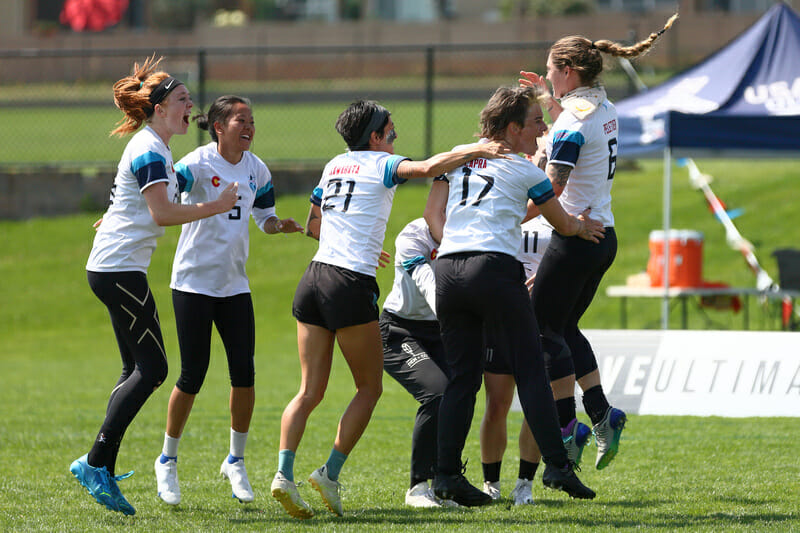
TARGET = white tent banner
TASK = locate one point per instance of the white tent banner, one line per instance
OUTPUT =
(701, 373)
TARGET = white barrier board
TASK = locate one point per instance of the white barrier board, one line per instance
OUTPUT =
(683, 372)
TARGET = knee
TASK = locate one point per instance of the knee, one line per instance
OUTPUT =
(371, 391)
(496, 410)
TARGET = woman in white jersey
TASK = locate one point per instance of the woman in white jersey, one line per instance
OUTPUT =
(337, 297)
(498, 378)
(481, 293)
(210, 285)
(582, 157)
(144, 199)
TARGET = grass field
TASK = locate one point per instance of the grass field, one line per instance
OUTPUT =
(58, 361)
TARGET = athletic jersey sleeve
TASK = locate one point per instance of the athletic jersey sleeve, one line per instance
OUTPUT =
(264, 203)
(149, 168)
(567, 145)
(185, 177)
(541, 192)
(389, 170)
(316, 196)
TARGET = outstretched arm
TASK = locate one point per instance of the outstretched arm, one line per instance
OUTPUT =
(166, 213)
(447, 161)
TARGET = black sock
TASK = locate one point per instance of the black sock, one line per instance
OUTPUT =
(595, 403)
(566, 410)
(491, 471)
(527, 469)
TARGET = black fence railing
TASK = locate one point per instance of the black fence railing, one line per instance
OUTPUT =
(56, 104)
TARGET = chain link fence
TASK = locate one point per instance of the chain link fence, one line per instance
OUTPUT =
(56, 106)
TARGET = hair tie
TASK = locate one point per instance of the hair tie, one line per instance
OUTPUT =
(661, 31)
(141, 84)
(594, 46)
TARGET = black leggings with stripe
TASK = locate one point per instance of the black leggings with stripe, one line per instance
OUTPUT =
(134, 318)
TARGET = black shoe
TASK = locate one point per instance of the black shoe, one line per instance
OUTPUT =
(455, 487)
(566, 480)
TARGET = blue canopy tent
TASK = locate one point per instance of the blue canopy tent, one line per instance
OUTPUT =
(745, 98)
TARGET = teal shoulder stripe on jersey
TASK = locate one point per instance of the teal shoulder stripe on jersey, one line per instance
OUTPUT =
(265, 197)
(264, 190)
(316, 196)
(147, 159)
(567, 136)
(390, 178)
(541, 192)
(410, 264)
(185, 177)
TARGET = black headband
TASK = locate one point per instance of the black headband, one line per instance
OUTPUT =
(377, 120)
(163, 89)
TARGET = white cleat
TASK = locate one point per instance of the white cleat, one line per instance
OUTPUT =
(328, 488)
(237, 475)
(522, 495)
(167, 480)
(286, 493)
(492, 488)
(421, 495)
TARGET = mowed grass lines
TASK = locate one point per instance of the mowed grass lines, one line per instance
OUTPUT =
(59, 360)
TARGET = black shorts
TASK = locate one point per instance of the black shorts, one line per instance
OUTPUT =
(333, 297)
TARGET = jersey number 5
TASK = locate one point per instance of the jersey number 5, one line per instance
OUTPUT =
(465, 186)
(336, 183)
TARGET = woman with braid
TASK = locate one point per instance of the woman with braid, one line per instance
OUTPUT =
(144, 199)
(581, 160)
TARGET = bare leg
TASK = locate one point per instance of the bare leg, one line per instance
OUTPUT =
(242, 401)
(493, 433)
(363, 350)
(315, 348)
(528, 449)
(563, 387)
(590, 380)
(180, 405)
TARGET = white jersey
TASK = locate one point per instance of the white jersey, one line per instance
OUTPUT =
(127, 236)
(355, 195)
(413, 294)
(212, 252)
(535, 239)
(590, 147)
(487, 202)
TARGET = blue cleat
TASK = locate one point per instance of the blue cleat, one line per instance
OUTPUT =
(124, 506)
(575, 437)
(97, 481)
(607, 433)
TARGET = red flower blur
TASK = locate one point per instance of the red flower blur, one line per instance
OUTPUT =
(92, 15)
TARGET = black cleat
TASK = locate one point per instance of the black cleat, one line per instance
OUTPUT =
(566, 480)
(455, 487)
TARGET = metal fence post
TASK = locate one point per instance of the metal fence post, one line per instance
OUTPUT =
(201, 88)
(428, 101)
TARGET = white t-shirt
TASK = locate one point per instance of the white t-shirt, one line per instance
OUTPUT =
(212, 252)
(487, 202)
(413, 294)
(590, 147)
(536, 235)
(127, 237)
(355, 195)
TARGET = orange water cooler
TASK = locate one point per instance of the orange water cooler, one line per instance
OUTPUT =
(685, 258)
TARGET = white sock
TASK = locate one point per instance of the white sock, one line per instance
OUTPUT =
(238, 441)
(170, 446)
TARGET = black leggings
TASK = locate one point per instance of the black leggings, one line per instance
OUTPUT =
(413, 355)
(566, 282)
(234, 318)
(134, 318)
(479, 295)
